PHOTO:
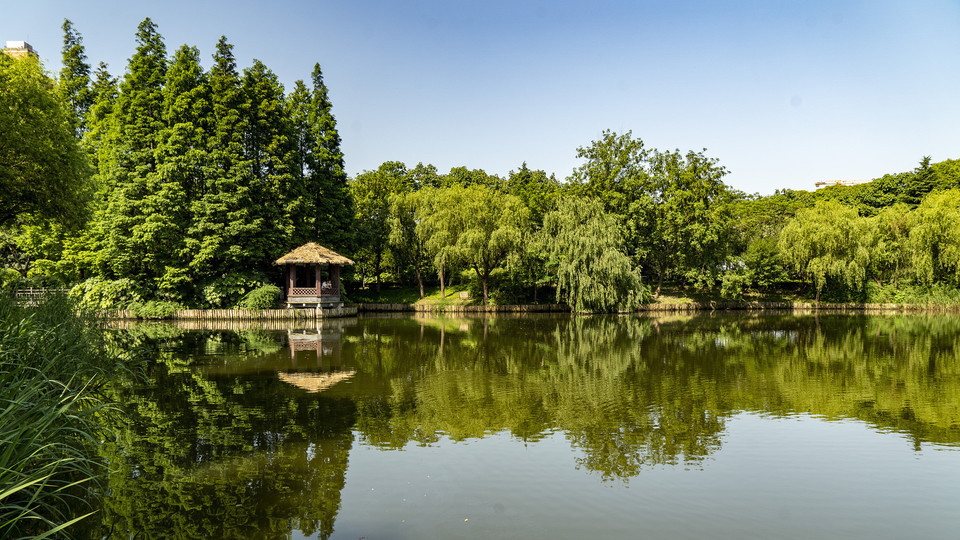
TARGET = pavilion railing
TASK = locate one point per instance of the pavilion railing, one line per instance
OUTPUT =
(329, 290)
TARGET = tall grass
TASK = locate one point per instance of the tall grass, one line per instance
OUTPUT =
(53, 365)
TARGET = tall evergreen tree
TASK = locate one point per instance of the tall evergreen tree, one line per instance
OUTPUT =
(181, 153)
(74, 84)
(130, 174)
(302, 200)
(223, 223)
(268, 147)
(334, 207)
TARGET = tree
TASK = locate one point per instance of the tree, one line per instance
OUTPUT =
(887, 235)
(935, 238)
(406, 240)
(593, 271)
(615, 171)
(440, 222)
(827, 242)
(335, 212)
(74, 84)
(493, 225)
(224, 223)
(683, 223)
(371, 191)
(43, 172)
(128, 165)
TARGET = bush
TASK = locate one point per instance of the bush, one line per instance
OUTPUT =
(229, 290)
(263, 297)
(99, 293)
(154, 309)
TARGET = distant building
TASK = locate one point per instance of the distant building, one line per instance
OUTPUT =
(19, 49)
(840, 183)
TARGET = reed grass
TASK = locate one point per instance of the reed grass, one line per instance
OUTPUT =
(53, 368)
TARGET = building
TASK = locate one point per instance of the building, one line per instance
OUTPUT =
(840, 183)
(313, 276)
(19, 49)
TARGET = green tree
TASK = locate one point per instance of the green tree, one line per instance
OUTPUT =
(269, 149)
(935, 238)
(128, 170)
(74, 84)
(43, 172)
(334, 207)
(493, 225)
(224, 223)
(406, 240)
(371, 191)
(586, 243)
(827, 242)
(683, 224)
(615, 171)
(181, 155)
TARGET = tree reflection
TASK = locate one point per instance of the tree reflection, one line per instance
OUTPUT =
(218, 445)
(212, 449)
(635, 392)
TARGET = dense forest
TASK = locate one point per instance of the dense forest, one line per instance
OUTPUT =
(177, 185)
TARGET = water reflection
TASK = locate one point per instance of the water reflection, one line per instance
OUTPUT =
(247, 432)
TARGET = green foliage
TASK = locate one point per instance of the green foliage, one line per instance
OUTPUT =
(935, 238)
(98, 293)
(263, 297)
(43, 173)
(827, 242)
(593, 273)
(227, 291)
(52, 367)
(493, 228)
(154, 309)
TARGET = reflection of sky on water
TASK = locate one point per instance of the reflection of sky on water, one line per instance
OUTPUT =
(775, 477)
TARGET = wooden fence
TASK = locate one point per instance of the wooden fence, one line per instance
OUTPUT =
(33, 296)
(247, 314)
(417, 308)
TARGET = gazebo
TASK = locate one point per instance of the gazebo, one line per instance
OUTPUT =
(313, 275)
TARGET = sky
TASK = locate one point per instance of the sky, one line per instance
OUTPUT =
(782, 93)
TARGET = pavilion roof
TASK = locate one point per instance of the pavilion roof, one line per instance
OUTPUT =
(313, 253)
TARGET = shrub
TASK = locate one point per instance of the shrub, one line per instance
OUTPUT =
(98, 293)
(154, 309)
(263, 297)
(228, 290)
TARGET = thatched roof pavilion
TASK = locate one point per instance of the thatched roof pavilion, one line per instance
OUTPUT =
(313, 253)
(310, 286)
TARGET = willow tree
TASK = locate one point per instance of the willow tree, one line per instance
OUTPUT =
(935, 238)
(827, 242)
(593, 271)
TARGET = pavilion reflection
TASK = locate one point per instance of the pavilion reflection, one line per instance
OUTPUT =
(316, 358)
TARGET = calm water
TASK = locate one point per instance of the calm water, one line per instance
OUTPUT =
(543, 427)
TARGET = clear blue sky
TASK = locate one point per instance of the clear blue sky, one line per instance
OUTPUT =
(782, 93)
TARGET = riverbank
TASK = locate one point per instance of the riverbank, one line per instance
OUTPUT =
(683, 307)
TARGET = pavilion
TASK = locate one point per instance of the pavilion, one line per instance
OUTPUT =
(313, 275)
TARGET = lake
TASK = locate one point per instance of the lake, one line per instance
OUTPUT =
(719, 426)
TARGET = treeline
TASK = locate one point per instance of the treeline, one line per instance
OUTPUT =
(631, 219)
(195, 180)
(183, 184)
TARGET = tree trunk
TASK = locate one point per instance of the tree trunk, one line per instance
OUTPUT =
(376, 268)
(420, 283)
(443, 289)
(659, 284)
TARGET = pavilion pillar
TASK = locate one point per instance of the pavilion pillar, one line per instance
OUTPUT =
(317, 281)
(291, 279)
(335, 278)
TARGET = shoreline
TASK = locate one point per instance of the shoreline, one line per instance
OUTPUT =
(689, 307)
